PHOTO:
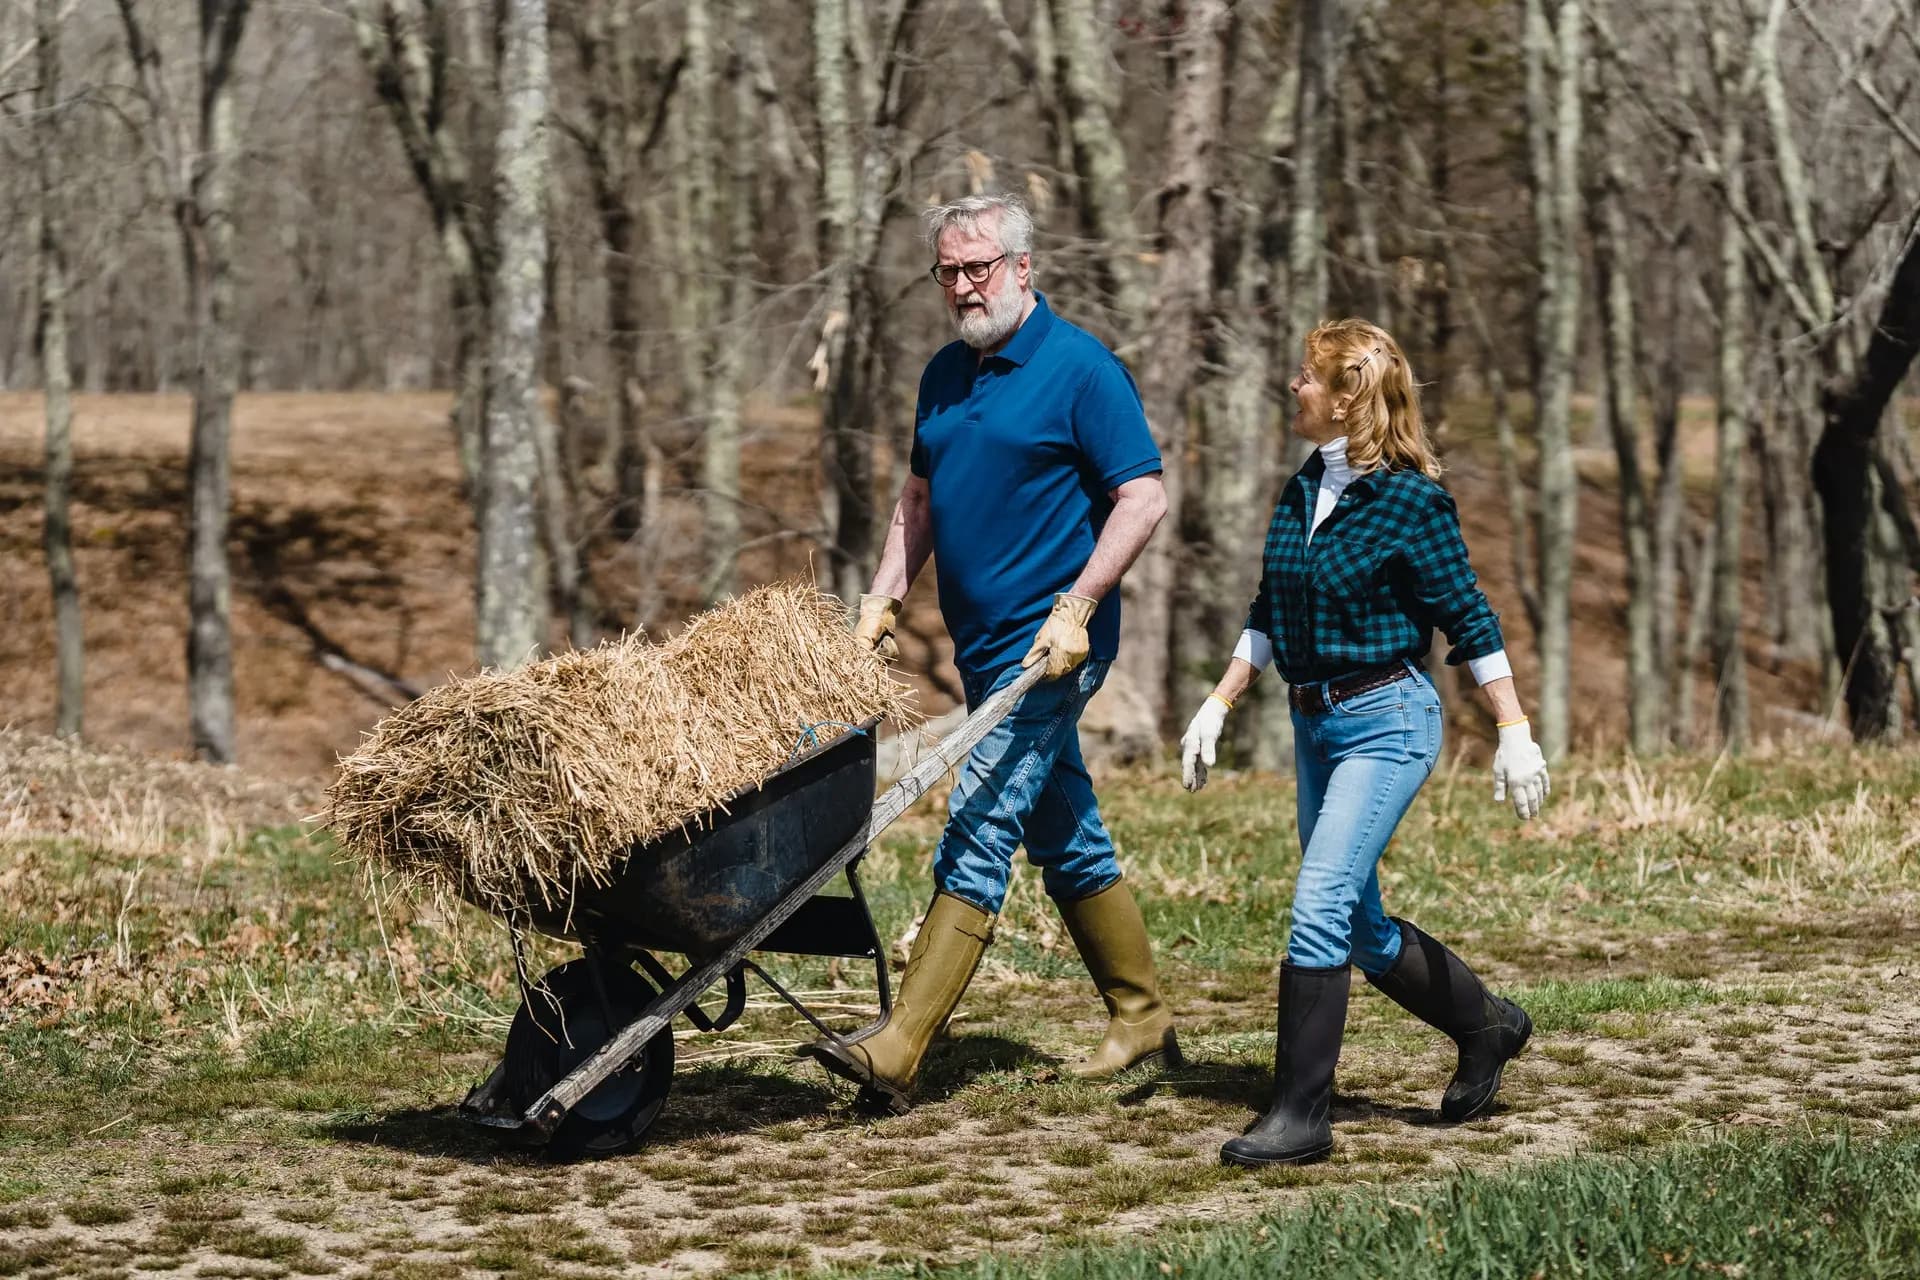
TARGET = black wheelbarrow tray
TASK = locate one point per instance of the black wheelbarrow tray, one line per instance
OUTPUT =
(589, 1056)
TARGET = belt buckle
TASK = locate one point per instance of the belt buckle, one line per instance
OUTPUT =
(1312, 699)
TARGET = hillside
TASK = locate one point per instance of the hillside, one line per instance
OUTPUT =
(350, 538)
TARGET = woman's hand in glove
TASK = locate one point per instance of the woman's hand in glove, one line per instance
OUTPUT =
(1520, 770)
(1201, 740)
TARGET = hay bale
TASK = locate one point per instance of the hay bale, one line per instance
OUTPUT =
(512, 788)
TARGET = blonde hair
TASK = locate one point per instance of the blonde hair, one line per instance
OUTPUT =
(1384, 428)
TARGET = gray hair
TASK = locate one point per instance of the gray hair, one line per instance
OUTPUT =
(1015, 224)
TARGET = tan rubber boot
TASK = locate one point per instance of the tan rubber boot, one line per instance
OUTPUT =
(942, 963)
(1112, 938)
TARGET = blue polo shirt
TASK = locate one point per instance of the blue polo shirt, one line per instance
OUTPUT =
(1020, 450)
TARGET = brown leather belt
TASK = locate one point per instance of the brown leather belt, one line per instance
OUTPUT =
(1318, 699)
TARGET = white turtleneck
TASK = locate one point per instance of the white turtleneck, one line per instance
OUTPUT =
(1333, 483)
(1258, 649)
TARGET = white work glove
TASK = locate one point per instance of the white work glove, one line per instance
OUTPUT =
(1520, 770)
(1202, 738)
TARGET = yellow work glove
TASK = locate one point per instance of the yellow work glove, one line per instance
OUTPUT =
(878, 617)
(1063, 636)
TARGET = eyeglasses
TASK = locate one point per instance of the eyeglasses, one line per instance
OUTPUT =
(947, 274)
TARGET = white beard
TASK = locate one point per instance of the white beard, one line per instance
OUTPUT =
(994, 325)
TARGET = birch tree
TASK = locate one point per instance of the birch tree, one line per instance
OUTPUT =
(511, 590)
(197, 169)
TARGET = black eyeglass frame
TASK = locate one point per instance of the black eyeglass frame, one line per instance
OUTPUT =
(978, 272)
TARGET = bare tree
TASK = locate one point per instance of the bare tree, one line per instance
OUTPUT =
(511, 593)
(1322, 28)
(1613, 258)
(1180, 303)
(861, 103)
(408, 47)
(1854, 492)
(1727, 652)
(629, 84)
(739, 143)
(1555, 54)
(198, 171)
(57, 377)
(1088, 91)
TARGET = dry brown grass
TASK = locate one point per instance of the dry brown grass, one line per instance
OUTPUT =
(510, 788)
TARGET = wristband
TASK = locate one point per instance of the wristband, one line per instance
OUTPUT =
(1225, 702)
(1508, 724)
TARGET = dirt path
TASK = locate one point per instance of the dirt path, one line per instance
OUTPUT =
(757, 1162)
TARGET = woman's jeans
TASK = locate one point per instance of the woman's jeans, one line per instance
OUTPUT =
(1359, 765)
(1025, 782)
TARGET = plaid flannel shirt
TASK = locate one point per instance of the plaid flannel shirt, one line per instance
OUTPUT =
(1386, 568)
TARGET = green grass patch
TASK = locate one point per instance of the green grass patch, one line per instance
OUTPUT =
(1834, 1206)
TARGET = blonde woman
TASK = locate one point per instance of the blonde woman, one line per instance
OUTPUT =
(1364, 559)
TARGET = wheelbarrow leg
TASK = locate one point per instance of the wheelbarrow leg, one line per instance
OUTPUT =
(881, 981)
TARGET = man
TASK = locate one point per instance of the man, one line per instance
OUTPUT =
(1036, 483)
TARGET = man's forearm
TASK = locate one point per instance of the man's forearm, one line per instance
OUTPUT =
(1131, 522)
(909, 543)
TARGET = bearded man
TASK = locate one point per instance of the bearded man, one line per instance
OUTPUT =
(1035, 482)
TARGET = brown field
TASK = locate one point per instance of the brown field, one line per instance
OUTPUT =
(350, 535)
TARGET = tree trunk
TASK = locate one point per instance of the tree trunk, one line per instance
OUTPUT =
(1669, 497)
(1613, 258)
(511, 594)
(1553, 122)
(1844, 475)
(1725, 648)
(1322, 30)
(1099, 158)
(1440, 258)
(207, 230)
(407, 49)
(720, 458)
(1180, 302)
(1231, 486)
(858, 195)
(841, 452)
(57, 379)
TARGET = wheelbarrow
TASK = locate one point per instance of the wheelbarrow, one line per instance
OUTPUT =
(589, 1055)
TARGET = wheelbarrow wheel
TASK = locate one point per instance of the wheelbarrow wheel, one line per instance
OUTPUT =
(562, 1021)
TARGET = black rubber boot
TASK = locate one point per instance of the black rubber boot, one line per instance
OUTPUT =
(1297, 1128)
(1435, 986)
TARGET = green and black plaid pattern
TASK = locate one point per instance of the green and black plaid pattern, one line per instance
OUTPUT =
(1387, 568)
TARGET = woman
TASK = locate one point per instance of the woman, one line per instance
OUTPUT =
(1363, 559)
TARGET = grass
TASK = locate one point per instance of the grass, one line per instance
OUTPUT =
(225, 1058)
(1738, 1207)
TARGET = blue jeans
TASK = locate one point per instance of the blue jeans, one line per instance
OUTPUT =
(1359, 766)
(1025, 781)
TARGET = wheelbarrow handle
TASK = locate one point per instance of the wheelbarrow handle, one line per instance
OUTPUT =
(949, 752)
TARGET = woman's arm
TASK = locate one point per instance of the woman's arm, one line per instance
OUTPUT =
(1239, 678)
(1504, 699)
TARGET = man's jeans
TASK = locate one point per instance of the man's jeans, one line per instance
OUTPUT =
(1025, 781)
(1359, 766)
